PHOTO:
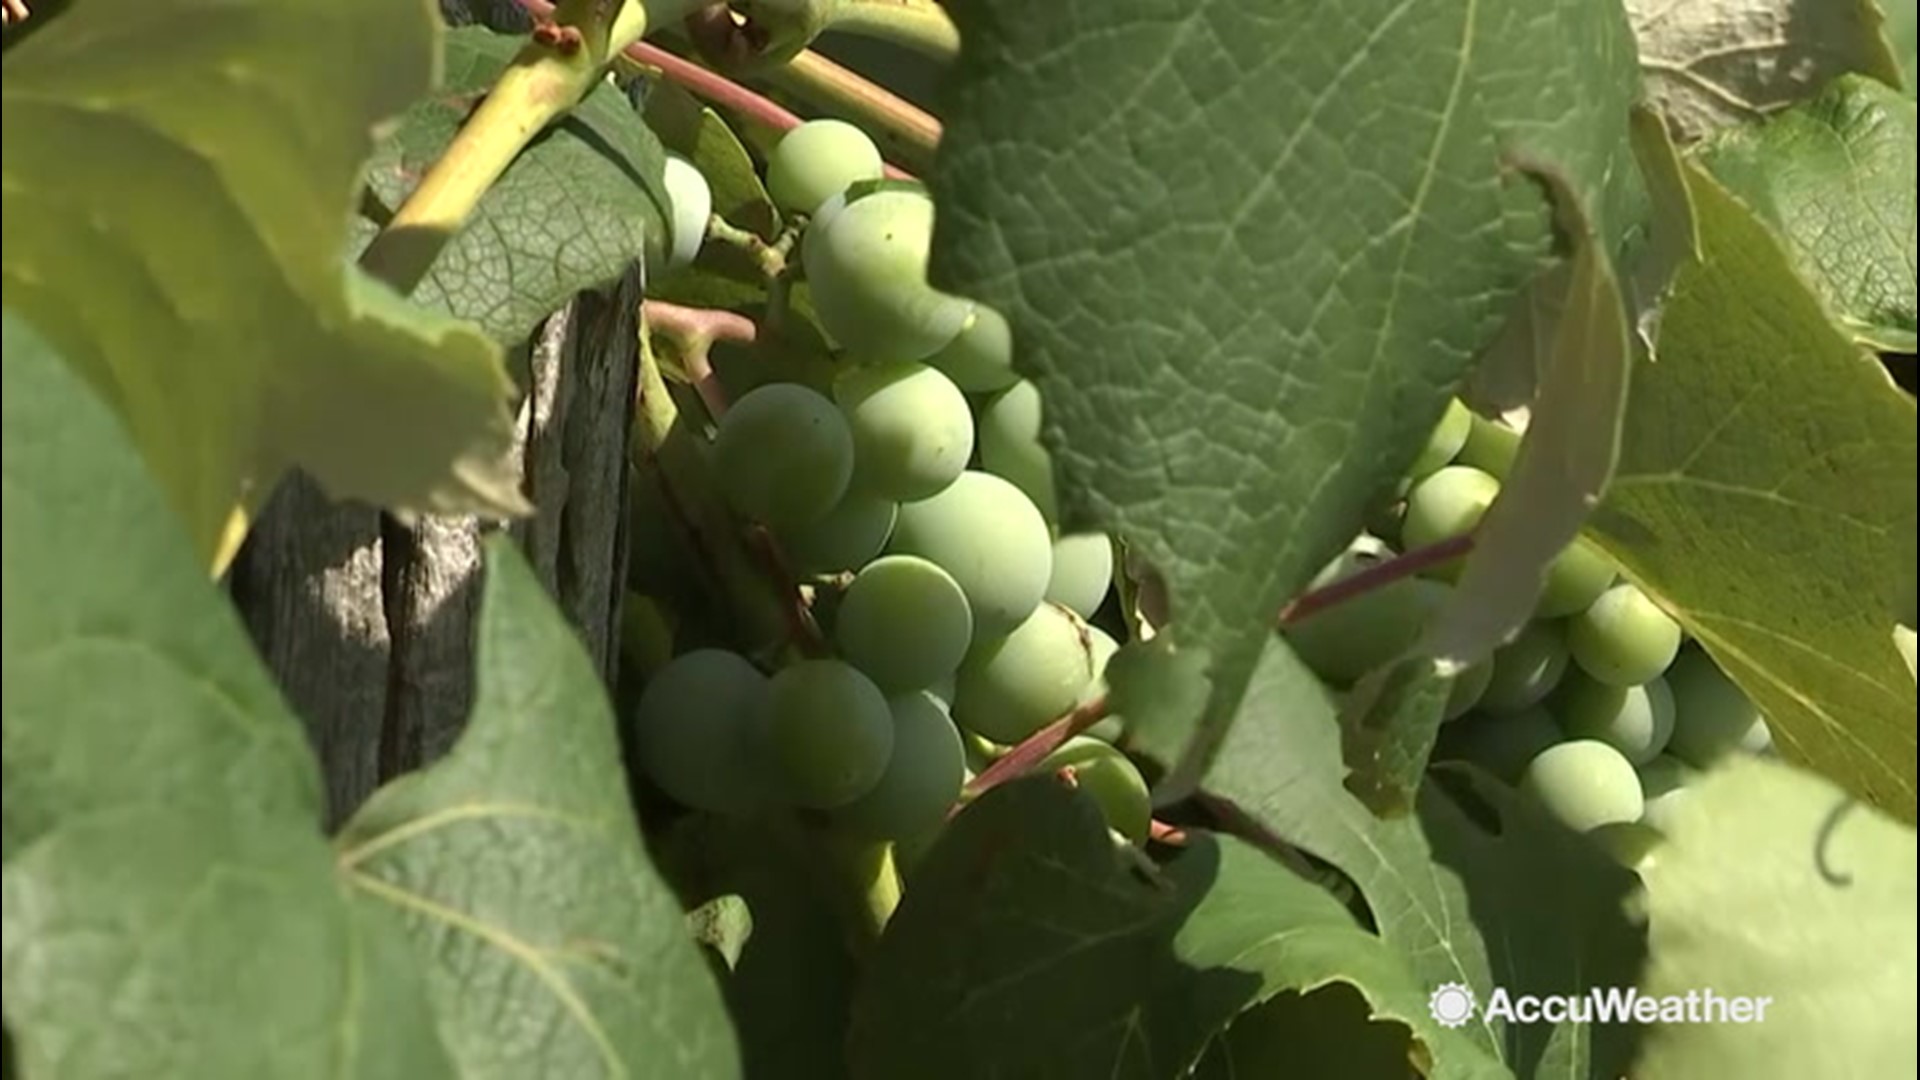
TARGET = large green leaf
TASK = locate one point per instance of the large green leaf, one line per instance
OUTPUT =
(1835, 177)
(1901, 26)
(1765, 495)
(577, 207)
(179, 176)
(517, 867)
(1714, 63)
(1248, 247)
(1325, 1033)
(1776, 884)
(1028, 946)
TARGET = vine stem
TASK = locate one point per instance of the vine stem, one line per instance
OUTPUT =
(920, 25)
(1026, 754)
(815, 79)
(1376, 576)
(694, 330)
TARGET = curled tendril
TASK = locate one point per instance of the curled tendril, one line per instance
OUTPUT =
(1824, 839)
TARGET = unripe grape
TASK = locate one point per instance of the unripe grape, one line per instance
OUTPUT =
(985, 533)
(1108, 728)
(818, 160)
(1632, 844)
(1491, 447)
(904, 622)
(1526, 669)
(1502, 745)
(1082, 572)
(851, 534)
(1343, 642)
(1576, 578)
(1013, 686)
(830, 731)
(1712, 717)
(1664, 784)
(1468, 687)
(1447, 504)
(912, 430)
(922, 779)
(692, 202)
(1584, 784)
(1009, 438)
(867, 275)
(1635, 720)
(697, 729)
(1444, 444)
(783, 455)
(1624, 638)
(1114, 784)
(980, 358)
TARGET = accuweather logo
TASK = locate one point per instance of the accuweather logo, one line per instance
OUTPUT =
(1453, 1004)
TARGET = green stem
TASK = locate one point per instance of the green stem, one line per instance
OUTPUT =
(920, 25)
(911, 133)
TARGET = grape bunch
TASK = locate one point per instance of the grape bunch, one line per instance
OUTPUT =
(913, 500)
(1599, 709)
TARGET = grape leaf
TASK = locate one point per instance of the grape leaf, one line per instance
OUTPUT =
(1535, 909)
(1325, 1033)
(1765, 497)
(550, 944)
(1775, 883)
(1028, 946)
(578, 206)
(1709, 64)
(698, 134)
(1835, 177)
(1247, 250)
(207, 303)
(1901, 29)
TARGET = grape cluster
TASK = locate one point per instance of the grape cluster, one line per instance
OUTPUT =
(913, 498)
(1599, 709)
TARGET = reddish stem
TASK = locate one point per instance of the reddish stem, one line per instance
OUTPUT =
(1162, 833)
(1377, 576)
(1021, 759)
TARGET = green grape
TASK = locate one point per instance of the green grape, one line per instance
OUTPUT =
(1712, 717)
(985, 533)
(1467, 688)
(923, 775)
(1502, 745)
(979, 359)
(904, 622)
(830, 732)
(1013, 686)
(912, 430)
(783, 455)
(943, 689)
(1584, 784)
(692, 202)
(1345, 641)
(853, 532)
(1635, 720)
(1444, 444)
(1630, 843)
(818, 160)
(1526, 669)
(1447, 504)
(1665, 782)
(1115, 785)
(1009, 438)
(867, 276)
(1109, 728)
(1576, 578)
(1490, 447)
(1624, 638)
(1082, 572)
(696, 730)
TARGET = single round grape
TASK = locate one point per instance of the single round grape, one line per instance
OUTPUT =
(1664, 784)
(1082, 572)
(1349, 639)
(1584, 784)
(1576, 578)
(696, 731)
(1467, 688)
(818, 160)
(1526, 669)
(783, 455)
(1108, 728)
(980, 358)
(1624, 638)
(1009, 438)
(1502, 745)
(912, 430)
(867, 276)
(923, 775)
(1491, 447)
(1013, 686)
(830, 731)
(1447, 504)
(1635, 720)
(1444, 444)
(692, 202)
(1105, 774)
(851, 534)
(1631, 844)
(904, 622)
(1712, 717)
(985, 533)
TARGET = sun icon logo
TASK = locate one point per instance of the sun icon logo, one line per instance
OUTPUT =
(1451, 1004)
